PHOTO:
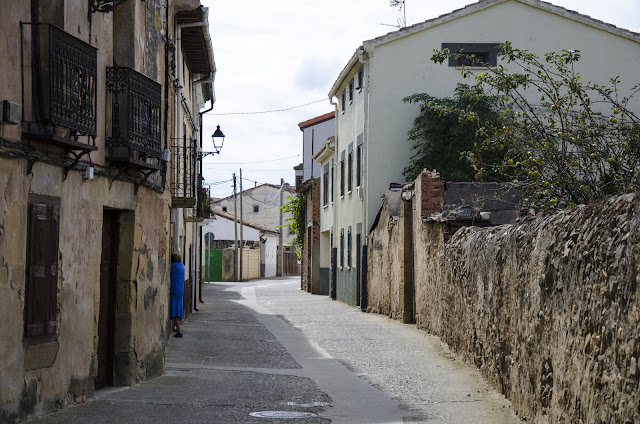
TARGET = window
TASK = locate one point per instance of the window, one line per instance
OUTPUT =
(325, 185)
(344, 99)
(351, 90)
(359, 164)
(342, 175)
(342, 247)
(360, 77)
(332, 178)
(41, 289)
(256, 208)
(484, 54)
(224, 209)
(350, 169)
(349, 247)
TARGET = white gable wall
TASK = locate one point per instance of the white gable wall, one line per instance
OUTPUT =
(403, 67)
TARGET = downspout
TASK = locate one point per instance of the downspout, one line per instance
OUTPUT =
(332, 242)
(365, 90)
(210, 80)
(363, 189)
(179, 105)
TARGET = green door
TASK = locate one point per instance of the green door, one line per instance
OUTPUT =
(213, 265)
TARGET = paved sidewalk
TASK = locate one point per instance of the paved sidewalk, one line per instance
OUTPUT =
(266, 346)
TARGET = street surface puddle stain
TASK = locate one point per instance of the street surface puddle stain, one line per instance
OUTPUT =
(305, 405)
(282, 414)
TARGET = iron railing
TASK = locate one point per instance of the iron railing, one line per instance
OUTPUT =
(62, 82)
(183, 167)
(136, 132)
(202, 209)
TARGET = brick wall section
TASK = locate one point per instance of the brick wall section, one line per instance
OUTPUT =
(431, 192)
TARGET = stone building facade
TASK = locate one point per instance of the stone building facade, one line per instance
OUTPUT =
(85, 230)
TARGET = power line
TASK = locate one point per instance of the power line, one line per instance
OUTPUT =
(269, 111)
(245, 163)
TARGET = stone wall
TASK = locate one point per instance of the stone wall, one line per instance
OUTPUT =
(547, 309)
(310, 281)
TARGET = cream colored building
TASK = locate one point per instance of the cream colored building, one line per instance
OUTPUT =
(372, 121)
(87, 193)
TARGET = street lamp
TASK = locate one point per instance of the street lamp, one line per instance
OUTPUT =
(218, 134)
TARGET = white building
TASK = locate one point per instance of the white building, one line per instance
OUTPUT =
(371, 150)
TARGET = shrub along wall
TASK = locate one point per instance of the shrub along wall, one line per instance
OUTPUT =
(547, 309)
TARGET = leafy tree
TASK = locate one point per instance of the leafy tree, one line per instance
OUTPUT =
(444, 129)
(297, 221)
(573, 143)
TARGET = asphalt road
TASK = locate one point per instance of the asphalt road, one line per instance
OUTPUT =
(266, 348)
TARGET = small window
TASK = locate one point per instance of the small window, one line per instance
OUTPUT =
(333, 173)
(342, 247)
(349, 247)
(325, 185)
(360, 77)
(359, 165)
(342, 175)
(224, 209)
(476, 54)
(344, 100)
(350, 171)
(351, 90)
(256, 208)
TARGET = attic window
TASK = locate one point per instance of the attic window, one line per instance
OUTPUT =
(256, 208)
(224, 209)
(484, 54)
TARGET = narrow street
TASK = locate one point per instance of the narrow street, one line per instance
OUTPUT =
(266, 346)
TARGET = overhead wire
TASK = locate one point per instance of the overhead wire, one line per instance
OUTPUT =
(268, 111)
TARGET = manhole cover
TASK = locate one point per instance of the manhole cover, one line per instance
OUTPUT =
(282, 414)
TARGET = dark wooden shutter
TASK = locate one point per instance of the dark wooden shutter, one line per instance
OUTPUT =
(42, 268)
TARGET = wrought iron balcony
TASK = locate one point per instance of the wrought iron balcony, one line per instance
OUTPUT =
(202, 209)
(183, 173)
(136, 132)
(61, 79)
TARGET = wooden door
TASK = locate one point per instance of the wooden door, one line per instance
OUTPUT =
(107, 313)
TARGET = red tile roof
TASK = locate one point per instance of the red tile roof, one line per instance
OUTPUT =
(317, 120)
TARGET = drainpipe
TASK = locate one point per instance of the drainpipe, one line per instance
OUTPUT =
(332, 242)
(363, 183)
(209, 79)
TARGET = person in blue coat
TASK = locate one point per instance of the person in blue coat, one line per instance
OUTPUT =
(176, 292)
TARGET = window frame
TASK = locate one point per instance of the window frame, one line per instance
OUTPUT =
(341, 247)
(360, 78)
(344, 100)
(342, 175)
(351, 83)
(325, 185)
(350, 169)
(349, 247)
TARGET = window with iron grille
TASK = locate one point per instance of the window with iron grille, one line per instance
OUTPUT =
(59, 83)
(183, 169)
(41, 288)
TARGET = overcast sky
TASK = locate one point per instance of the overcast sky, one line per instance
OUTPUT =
(274, 55)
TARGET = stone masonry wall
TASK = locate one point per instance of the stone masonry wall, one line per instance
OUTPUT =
(548, 309)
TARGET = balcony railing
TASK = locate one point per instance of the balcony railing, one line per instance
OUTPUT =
(183, 168)
(136, 132)
(202, 209)
(61, 82)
